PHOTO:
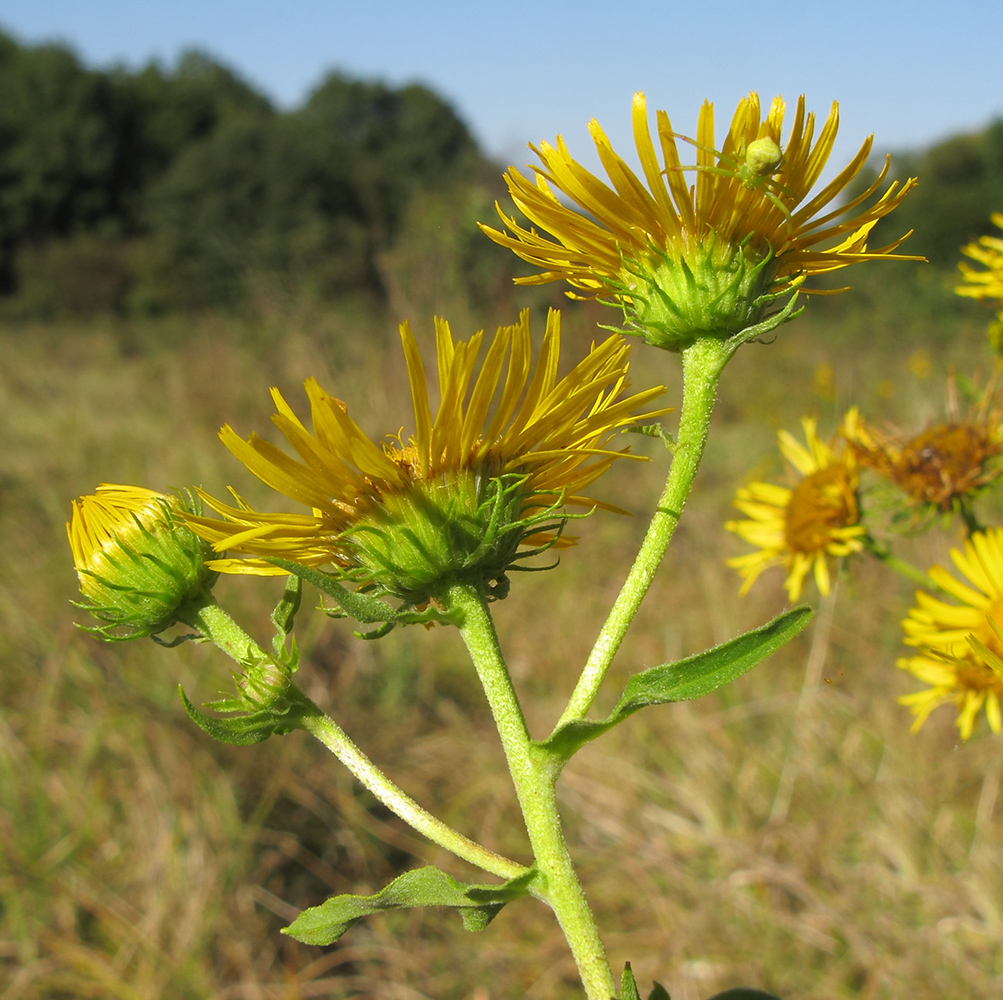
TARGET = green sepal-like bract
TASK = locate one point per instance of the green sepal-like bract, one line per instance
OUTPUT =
(265, 700)
(285, 611)
(628, 987)
(141, 569)
(468, 527)
(478, 905)
(414, 545)
(713, 289)
(653, 430)
(362, 607)
(246, 728)
(684, 680)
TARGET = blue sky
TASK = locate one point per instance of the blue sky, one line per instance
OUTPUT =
(521, 71)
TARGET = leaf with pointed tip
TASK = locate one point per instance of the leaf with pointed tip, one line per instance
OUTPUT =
(361, 607)
(176, 641)
(289, 603)
(692, 677)
(429, 886)
(240, 730)
(628, 987)
(659, 992)
(377, 633)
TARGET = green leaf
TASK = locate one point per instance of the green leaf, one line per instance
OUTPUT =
(289, 604)
(628, 988)
(241, 730)
(429, 886)
(692, 677)
(361, 607)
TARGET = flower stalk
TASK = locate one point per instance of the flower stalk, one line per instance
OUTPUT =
(534, 773)
(703, 362)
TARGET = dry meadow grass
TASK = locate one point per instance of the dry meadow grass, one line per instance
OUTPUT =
(787, 833)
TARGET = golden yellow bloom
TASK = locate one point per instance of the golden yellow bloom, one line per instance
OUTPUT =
(708, 258)
(986, 284)
(484, 475)
(960, 645)
(801, 527)
(136, 561)
(946, 463)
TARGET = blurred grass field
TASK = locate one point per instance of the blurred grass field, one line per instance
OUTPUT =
(787, 833)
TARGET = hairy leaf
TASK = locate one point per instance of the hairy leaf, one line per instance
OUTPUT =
(289, 603)
(429, 886)
(361, 607)
(628, 988)
(692, 677)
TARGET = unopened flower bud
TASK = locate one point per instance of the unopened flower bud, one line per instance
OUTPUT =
(140, 567)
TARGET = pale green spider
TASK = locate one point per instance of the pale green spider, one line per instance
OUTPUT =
(755, 167)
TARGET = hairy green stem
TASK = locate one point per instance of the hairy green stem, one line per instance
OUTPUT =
(534, 773)
(216, 625)
(325, 729)
(703, 362)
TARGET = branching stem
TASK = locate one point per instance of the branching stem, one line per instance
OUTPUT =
(217, 626)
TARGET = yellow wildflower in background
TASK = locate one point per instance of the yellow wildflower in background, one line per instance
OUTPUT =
(707, 258)
(959, 644)
(801, 527)
(986, 284)
(484, 475)
(943, 465)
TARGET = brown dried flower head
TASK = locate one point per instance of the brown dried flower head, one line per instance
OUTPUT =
(943, 464)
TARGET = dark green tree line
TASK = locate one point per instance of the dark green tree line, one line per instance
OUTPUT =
(172, 187)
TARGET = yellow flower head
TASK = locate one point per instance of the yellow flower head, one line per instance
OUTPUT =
(137, 563)
(707, 258)
(487, 473)
(801, 527)
(943, 465)
(960, 645)
(986, 283)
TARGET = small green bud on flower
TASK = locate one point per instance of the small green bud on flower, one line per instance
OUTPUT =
(140, 567)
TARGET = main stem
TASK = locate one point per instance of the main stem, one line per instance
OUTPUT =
(703, 362)
(534, 773)
(214, 623)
